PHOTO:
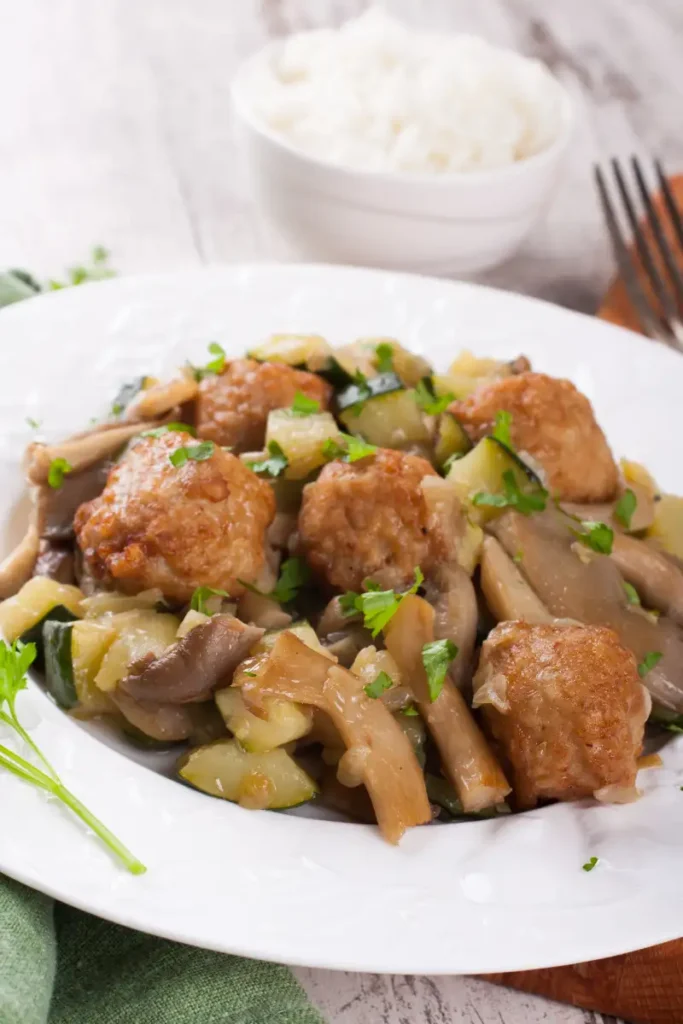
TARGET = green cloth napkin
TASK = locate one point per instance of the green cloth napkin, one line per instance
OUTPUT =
(61, 966)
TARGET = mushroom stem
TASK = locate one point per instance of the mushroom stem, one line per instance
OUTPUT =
(158, 400)
(17, 567)
(508, 595)
(79, 452)
(658, 581)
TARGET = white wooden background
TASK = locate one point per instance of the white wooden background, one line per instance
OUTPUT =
(115, 129)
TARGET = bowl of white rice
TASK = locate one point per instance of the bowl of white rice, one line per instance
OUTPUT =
(382, 145)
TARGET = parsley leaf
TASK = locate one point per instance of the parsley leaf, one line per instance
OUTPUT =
(525, 502)
(169, 428)
(517, 557)
(377, 606)
(590, 864)
(631, 593)
(449, 462)
(379, 684)
(196, 452)
(202, 595)
(596, 536)
(214, 366)
(272, 466)
(649, 661)
(428, 400)
(294, 574)
(34, 424)
(57, 471)
(15, 660)
(436, 657)
(384, 361)
(501, 429)
(350, 450)
(625, 507)
(303, 405)
(410, 711)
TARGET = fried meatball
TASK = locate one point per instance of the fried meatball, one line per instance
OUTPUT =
(567, 708)
(369, 519)
(232, 408)
(555, 424)
(177, 528)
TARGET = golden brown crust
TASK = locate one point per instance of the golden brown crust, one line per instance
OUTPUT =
(577, 708)
(232, 408)
(155, 525)
(369, 519)
(554, 423)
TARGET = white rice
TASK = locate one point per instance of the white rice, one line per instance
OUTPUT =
(377, 95)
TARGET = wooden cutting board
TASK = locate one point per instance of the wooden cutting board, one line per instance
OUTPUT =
(644, 987)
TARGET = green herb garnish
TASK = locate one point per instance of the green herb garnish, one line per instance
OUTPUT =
(272, 466)
(194, 452)
(303, 405)
(436, 657)
(202, 595)
(377, 606)
(590, 864)
(34, 424)
(96, 270)
(651, 659)
(169, 428)
(214, 366)
(631, 593)
(517, 557)
(449, 462)
(501, 429)
(294, 574)
(14, 663)
(58, 470)
(410, 711)
(625, 507)
(384, 357)
(596, 536)
(379, 684)
(350, 450)
(428, 400)
(525, 502)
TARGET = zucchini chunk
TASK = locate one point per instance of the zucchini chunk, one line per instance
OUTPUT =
(284, 721)
(302, 439)
(90, 641)
(59, 671)
(667, 527)
(409, 366)
(482, 469)
(35, 602)
(389, 420)
(372, 387)
(138, 633)
(304, 350)
(106, 601)
(451, 439)
(268, 781)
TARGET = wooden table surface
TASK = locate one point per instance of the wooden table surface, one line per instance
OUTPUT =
(115, 129)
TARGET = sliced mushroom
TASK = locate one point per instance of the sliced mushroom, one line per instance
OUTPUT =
(55, 561)
(383, 755)
(642, 518)
(262, 611)
(333, 620)
(61, 502)
(591, 590)
(158, 400)
(508, 595)
(18, 566)
(467, 759)
(450, 592)
(190, 670)
(658, 581)
(79, 452)
(170, 723)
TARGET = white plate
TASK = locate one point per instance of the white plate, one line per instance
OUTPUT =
(486, 896)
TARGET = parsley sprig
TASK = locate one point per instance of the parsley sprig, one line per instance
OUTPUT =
(597, 536)
(649, 661)
(379, 684)
(428, 400)
(170, 428)
(202, 595)
(15, 660)
(384, 357)
(303, 405)
(273, 465)
(625, 507)
(501, 428)
(214, 366)
(436, 657)
(57, 471)
(350, 449)
(294, 574)
(192, 452)
(513, 496)
(377, 606)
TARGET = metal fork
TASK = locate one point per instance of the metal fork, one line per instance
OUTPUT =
(663, 323)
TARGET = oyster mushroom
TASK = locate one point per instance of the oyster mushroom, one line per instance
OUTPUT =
(657, 579)
(160, 399)
(18, 566)
(508, 595)
(80, 451)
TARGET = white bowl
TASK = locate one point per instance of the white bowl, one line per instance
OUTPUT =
(454, 223)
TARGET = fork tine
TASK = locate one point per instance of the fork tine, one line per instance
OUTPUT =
(670, 202)
(657, 230)
(659, 286)
(648, 321)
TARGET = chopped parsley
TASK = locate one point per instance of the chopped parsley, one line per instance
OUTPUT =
(169, 428)
(294, 574)
(384, 357)
(590, 864)
(97, 270)
(58, 470)
(214, 366)
(625, 507)
(379, 684)
(501, 429)
(273, 465)
(194, 452)
(651, 659)
(377, 606)
(428, 400)
(202, 595)
(303, 405)
(517, 557)
(597, 536)
(525, 502)
(449, 462)
(350, 450)
(411, 711)
(631, 593)
(436, 657)
(34, 424)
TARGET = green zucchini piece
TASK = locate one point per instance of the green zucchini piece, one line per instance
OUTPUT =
(441, 793)
(268, 781)
(284, 722)
(335, 374)
(451, 439)
(126, 393)
(358, 393)
(36, 634)
(59, 670)
(482, 469)
(414, 728)
(390, 420)
(306, 351)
